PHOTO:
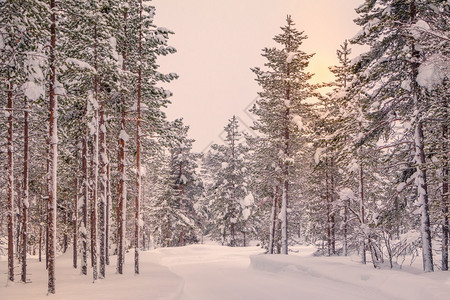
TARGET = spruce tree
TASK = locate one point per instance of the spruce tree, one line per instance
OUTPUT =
(285, 89)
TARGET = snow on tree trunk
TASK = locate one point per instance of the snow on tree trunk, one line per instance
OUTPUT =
(53, 151)
(25, 200)
(103, 190)
(123, 137)
(138, 151)
(422, 198)
(328, 206)
(362, 213)
(444, 199)
(108, 210)
(10, 185)
(332, 216)
(122, 196)
(83, 227)
(419, 155)
(345, 242)
(284, 220)
(361, 199)
(273, 220)
(75, 223)
(95, 163)
(41, 221)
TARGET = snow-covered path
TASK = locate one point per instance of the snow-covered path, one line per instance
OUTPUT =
(224, 274)
(212, 272)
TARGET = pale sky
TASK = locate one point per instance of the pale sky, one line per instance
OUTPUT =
(218, 41)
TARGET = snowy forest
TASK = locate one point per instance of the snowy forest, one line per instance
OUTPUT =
(94, 169)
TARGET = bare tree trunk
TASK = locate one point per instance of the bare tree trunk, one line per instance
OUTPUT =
(40, 228)
(75, 223)
(419, 156)
(65, 236)
(332, 216)
(273, 220)
(95, 165)
(42, 213)
(361, 201)
(444, 197)
(53, 136)
(10, 185)
(328, 205)
(138, 152)
(362, 213)
(25, 201)
(121, 216)
(47, 204)
(346, 208)
(168, 232)
(103, 190)
(83, 228)
(91, 198)
(122, 197)
(422, 188)
(108, 213)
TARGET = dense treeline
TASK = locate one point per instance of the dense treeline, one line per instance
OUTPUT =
(83, 112)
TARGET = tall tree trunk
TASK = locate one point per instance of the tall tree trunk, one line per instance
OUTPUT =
(65, 236)
(168, 231)
(84, 210)
(346, 208)
(422, 195)
(122, 196)
(47, 204)
(273, 220)
(444, 196)
(41, 221)
(95, 164)
(332, 217)
(361, 199)
(75, 223)
(91, 198)
(121, 217)
(10, 185)
(103, 190)
(53, 136)
(138, 152)
(108, 212)
(362, 213)
(328, 206)
(25, 201)
(419, 156)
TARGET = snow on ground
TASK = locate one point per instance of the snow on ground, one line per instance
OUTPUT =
(212, 272)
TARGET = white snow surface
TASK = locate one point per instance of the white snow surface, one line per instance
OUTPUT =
(291, 56)
(346, 194)
(433, 71)
(198, 272)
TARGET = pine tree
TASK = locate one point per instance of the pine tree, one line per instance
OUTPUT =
(231, 202)
(391, 73)
(285, 89)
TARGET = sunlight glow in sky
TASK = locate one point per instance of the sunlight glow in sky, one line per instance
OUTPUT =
(219, 41)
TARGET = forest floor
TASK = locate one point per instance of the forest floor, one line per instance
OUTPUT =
(212, 272)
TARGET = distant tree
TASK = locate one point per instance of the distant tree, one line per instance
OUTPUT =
(231, 202)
